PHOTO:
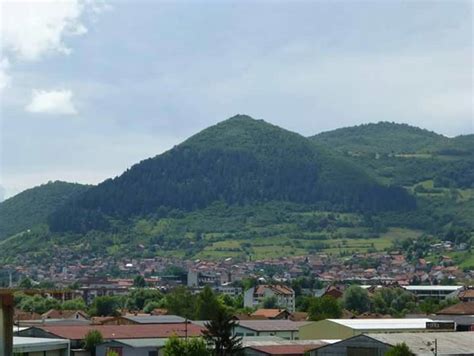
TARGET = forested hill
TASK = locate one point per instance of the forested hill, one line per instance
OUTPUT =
(238, 161)
(32, 207)
(383, 138)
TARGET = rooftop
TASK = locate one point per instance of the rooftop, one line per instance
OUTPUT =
(432, 288)
(466, 308)
(376, 324)
(32, 344)
(155, 319)
(272, 325)
(449, 343)
(135, 331)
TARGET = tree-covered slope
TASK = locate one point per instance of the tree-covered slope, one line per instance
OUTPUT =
(238, 161)
(32, 207)
(382, 138)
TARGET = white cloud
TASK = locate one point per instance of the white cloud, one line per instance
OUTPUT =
(52, 102)
(31, 29)
(4, 77)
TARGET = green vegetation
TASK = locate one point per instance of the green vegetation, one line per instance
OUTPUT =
(31, 207)
(400, 350)
(249, 190)
(91, 340)
(186, 347)
(356, 299)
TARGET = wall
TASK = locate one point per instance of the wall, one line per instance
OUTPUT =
(360, 345)
(325, 329)
(289, 335)
(126, 350)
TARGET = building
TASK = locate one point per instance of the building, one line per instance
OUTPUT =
(76, 334)
(345, 328)
(29, 346)
(434, 292)
(462, 314)
(466, 295)
(284, 295)
(132, 347)
(271, 313)
(285, 329)
(280, 350)
(446, 344)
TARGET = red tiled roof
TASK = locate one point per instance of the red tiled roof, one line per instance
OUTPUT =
(293, 350)
(268, 313)
(468, 293)
(466, 308)
(125, 331)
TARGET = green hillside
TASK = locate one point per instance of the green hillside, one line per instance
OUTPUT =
(382, 138)
(238, 161)
(33, 206)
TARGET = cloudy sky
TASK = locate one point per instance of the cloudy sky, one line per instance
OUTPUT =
(90, 87)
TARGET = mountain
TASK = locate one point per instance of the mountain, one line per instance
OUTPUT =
(32, 207)
(382, 138)
(400, 154)
(238, 161)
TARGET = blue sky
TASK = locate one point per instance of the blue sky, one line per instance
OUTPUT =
(92, 87)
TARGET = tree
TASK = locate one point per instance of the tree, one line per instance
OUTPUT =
(394, 301)
(138, 298)
(91, 340)
(206, 304)
(324, 308)
(181, 302)
(150, 306)
(105, 306)
(400, 350)
(139, 281)
(219, 334)
(26, 283)
(270, 302)
(182, 347)
(356, 299)
(74, 304)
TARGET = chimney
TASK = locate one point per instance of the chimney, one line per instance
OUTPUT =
(6, 323)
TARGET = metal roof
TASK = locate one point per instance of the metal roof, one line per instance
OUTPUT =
(272, 325)
(377, 324)
(138, 343)
(449, 343)
(34, 344)
(156, 319)
(433, 288)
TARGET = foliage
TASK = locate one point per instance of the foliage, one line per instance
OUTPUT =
(270, 302)
(37, 304)
(25, 283)
(138, 298)
(393, 301)
(325, 307)
(32, 207)
(400, 350)
(105, 306)
(74, 304)
(219, 334)
(181, 302)
(92, 339)
(139, 282)
(356, 299)
(239, 161)
(207, 304)
(175, 346)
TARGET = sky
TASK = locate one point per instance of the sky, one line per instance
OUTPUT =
(89, 87)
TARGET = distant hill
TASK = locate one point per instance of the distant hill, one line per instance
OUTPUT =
(238, 161)
(382, 137)
(31, 207)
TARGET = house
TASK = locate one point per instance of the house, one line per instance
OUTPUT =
(345, 328)
(142, 319)
(433, 292)
(76, 334)
(271, 313)
(466, 295)
(447, 344)
(284, 295)
(285, 329)
(132, 347)
(462, 314)
(25, 346)
(65, 314)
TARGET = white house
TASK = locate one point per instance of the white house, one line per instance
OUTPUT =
(285, 296)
